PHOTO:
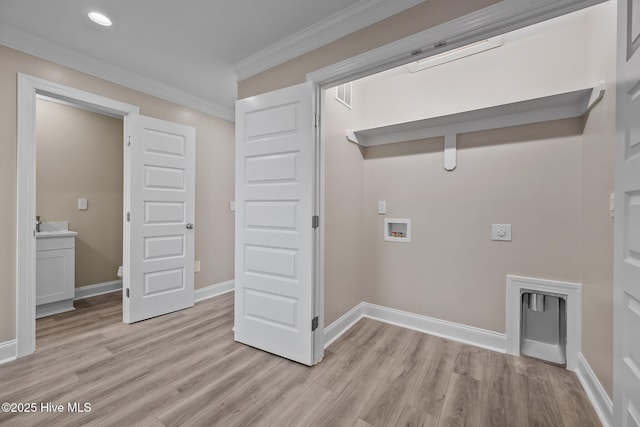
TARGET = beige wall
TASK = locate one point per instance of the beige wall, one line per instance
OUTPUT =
(80, 155)
(418, 18)
(597, 185)
(527, 176)
(535, 61)
(214, 171)
(344, 191)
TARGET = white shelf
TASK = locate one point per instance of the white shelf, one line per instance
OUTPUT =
(560, 106)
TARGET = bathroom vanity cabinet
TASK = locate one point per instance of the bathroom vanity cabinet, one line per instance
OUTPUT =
(55, 272)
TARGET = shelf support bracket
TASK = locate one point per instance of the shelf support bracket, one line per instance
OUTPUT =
(351, 136)
(596, 95)
(450, 142)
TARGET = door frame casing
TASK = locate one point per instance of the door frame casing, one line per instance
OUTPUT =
(318, 210)
(28, 88)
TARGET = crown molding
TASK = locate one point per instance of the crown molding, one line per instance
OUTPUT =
(338, 25)
(45, 49)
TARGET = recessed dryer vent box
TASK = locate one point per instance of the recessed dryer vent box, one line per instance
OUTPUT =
(397, 230)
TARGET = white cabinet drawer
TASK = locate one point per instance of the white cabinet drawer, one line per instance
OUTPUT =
(52, 243)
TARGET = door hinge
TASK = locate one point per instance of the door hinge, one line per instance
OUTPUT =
(314, 323)
(127, 292)
(128, 216)
(315, 120)
(129, 140)
(315, 221)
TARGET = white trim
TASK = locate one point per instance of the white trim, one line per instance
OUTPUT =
(25, 240)
(318, 239)
(75, 105)
(343, 324)
(338, 25)
(28, 87)
(573, 291)
(57, 307)
(597, 395)
(98, 289)
(7, 351)
(42, 48)
(491, 21)
(483, 338)
(211, 291)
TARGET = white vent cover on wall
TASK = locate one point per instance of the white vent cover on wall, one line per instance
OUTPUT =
(455, 54)
(343, 94)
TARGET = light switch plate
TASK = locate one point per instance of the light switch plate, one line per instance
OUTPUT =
(196, 266)
(232, 206)
(501, 232)
(83, 204)
(382, 207)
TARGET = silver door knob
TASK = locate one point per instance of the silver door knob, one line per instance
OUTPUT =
(189, 226)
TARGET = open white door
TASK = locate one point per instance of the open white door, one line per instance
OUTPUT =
(627, 221)
(158, 267)
(275, 175)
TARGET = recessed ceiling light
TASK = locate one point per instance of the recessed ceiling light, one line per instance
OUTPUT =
(100, 19)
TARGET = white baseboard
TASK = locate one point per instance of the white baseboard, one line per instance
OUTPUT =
(490, 340)
(213, 290)
(44, 310)
(7, 351)
(597, 395)
(454, 331)
(116, 285)
(342, 325)
(98, 289)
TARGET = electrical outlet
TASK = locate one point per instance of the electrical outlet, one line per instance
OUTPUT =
(501, 232)
(196, 266)
(232, 206)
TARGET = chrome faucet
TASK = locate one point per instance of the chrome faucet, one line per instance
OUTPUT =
(38, 222)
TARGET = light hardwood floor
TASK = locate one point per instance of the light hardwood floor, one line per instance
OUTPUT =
(185, 369)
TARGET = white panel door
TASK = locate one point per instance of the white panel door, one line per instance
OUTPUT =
(158, 269)
(627, 221)
(275, 174)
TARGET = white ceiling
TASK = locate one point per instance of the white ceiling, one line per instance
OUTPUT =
(184, 51)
